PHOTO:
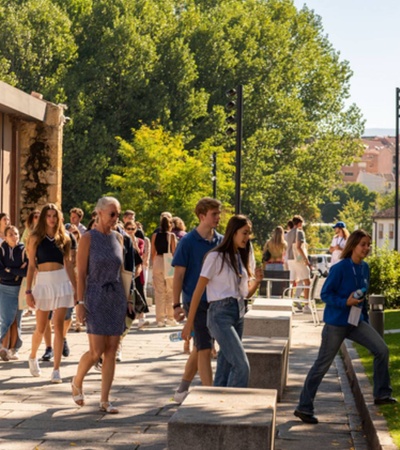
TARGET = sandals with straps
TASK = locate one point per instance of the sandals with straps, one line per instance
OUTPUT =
(79, 399)
(108, 408)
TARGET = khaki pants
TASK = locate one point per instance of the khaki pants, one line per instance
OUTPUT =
(162, 291)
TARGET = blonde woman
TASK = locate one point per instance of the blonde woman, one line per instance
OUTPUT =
(49, 253)
(101, 300)
(276, 247)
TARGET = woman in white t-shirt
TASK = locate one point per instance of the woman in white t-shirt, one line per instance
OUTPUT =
(227, 276)
(338, 242)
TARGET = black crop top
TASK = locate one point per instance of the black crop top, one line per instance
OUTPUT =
(47, 251)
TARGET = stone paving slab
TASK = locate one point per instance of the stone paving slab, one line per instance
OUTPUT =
(36, 415)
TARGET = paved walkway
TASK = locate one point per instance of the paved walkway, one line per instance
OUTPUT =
(35, 414)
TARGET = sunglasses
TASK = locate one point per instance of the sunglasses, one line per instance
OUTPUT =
(113, 214)
(130, 229)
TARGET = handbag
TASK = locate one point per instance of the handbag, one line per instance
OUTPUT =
(126, 278)
(266, 256)
(140, 305)
(167, 257)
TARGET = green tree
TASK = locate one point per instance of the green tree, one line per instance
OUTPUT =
(157, 174)
(355, 216)
(36, 46)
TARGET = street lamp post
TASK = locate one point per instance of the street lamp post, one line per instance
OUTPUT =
(396, 200)
(238, 120)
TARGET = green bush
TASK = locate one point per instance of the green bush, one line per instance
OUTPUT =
(385, 275)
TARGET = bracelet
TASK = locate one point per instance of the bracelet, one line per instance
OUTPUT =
(28, 291)
(178, 305)
(80, 302)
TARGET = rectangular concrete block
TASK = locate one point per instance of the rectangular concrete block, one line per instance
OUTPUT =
(272, 304)
(268, 360)
(268, 324)
(224, 419)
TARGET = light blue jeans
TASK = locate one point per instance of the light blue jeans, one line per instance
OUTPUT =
(233, 369)
(9, 311)
(332, 338)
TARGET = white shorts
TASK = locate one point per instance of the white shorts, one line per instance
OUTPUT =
(53, 290)
(298, 270)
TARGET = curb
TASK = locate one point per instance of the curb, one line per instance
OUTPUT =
(373, 422)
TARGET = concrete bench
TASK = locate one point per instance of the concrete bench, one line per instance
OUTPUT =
(269, 360)
(224, 419)
(272, 304)
(268, 324)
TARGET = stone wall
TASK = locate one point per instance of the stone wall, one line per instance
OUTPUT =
(40, 155)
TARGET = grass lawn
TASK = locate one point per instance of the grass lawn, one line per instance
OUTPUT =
(391, 413)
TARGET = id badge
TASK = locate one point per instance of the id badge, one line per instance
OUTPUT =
(354, 316)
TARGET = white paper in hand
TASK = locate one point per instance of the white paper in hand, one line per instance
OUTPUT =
(354, 316)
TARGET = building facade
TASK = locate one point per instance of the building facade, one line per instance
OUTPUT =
(31, 131)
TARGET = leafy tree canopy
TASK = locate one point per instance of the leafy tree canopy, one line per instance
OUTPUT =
(125, 65)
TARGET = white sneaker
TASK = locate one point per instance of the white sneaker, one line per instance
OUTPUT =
(143, 323)
(56, 377)
(118, 355)
(180, 396)
(307, 309)
(171, 323)
(4, 354)
(34, 367)
(13, 354)
(160, 324)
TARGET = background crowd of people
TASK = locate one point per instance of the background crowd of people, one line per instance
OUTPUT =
(201, 275)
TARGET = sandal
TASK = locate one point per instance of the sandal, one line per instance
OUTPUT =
(108, 408)
(79, 399)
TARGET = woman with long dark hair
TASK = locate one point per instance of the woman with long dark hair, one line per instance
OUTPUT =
(163, 241)
(227, 276)
(346, 317)
(49, 253)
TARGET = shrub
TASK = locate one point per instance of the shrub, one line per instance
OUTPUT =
(385, 275)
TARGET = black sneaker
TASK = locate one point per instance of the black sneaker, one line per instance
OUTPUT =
(48, 354)
(385, 401)
(65, 351)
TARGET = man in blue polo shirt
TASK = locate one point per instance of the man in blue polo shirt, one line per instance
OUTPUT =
(188, 259)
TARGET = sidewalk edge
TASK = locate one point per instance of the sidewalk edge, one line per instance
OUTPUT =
(374, 423)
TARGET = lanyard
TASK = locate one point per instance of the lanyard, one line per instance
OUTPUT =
(355, 275)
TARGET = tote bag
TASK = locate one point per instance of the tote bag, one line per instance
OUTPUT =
(167, 257)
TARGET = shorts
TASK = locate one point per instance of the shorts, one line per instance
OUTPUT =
(298, 270)
(53, 290)
(202, 337)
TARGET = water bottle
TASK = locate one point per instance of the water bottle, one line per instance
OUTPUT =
(177, 336)
(360, 293)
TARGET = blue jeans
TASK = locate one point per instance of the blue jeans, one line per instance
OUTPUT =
(332, 338)
(9, 311)
(226, 327)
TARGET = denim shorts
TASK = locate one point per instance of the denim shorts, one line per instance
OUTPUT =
(202, 337)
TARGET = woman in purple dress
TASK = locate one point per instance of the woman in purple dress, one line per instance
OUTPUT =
(101, 299)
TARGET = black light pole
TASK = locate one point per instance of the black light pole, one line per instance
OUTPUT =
(237, 119)
(396, 200)
(239, 139)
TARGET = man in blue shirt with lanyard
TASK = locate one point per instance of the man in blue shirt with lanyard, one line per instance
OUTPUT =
(188, 259)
